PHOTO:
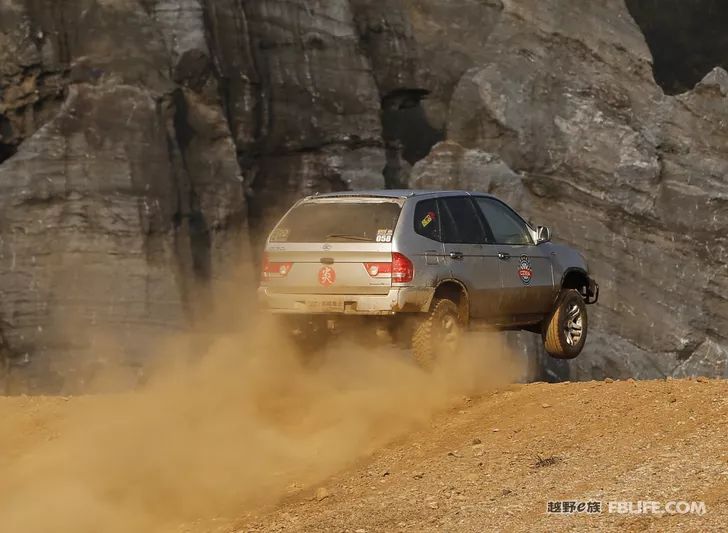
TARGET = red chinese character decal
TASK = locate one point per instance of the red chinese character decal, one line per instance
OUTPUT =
(327, 276)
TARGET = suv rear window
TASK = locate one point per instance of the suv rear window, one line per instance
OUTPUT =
(338, 222)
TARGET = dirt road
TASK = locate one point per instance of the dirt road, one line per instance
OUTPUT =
(482, 463)
(493, 463)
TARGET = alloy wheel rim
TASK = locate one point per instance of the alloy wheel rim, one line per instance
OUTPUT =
(574, 326)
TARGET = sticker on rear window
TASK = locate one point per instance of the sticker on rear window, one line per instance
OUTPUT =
(280, 235)
(431, 216)
(384, 235)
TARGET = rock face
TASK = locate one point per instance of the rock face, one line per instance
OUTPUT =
(146, 146)
(126, 196)
(634, 178)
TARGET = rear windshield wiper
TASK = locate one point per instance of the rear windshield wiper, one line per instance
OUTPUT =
(350, 237)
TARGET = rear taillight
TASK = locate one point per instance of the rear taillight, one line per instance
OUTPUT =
(403, 271)
(400, 269)
(383, 270)
(273, 269)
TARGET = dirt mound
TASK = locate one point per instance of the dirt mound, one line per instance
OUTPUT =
(411, 454)
(492, 464)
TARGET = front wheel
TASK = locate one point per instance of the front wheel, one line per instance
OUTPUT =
(564, 333)
(437, 336)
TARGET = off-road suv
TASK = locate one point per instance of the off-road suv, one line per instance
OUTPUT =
(430, 264)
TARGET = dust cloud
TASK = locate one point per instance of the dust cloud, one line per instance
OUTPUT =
(230, 423)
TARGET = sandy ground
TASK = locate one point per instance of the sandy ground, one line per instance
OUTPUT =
(488, 461)
(493, 463)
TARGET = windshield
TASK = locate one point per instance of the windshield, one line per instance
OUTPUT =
(338, 222)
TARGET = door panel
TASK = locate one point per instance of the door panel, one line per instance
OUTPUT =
(470, 259)
(511, 292)
(527, 275)
(472, 265)
(526, 269)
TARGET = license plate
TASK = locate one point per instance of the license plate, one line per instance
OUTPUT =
(325, 306)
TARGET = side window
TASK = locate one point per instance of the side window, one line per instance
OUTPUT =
(427, 220)
(507, 227)
(460, 221)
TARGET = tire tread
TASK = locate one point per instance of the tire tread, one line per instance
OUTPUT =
(423, 349)
(552, 338)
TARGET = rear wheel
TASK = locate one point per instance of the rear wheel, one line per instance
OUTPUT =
(437, 337)
(564, 334)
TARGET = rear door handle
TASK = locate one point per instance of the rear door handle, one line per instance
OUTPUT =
(504, 256)
(456, 255)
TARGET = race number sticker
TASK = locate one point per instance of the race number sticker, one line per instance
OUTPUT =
(525, 272)
(431, 216)
(280, 235)
(384, 235)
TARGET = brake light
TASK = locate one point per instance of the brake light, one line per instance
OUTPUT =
(272, 269)
(400, 269)
(403, 271)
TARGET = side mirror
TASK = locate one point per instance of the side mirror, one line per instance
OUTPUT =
(544, 234)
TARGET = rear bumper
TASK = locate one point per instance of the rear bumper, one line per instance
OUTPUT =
(592, 291)
(397, 300)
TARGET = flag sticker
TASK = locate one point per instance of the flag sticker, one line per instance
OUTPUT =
(428, 219)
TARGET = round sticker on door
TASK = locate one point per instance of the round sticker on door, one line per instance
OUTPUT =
(327, 276)
(524, 270)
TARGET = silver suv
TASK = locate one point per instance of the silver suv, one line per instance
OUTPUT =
(426, 265)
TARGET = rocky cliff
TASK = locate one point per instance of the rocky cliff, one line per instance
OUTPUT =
(145, 145)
